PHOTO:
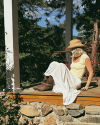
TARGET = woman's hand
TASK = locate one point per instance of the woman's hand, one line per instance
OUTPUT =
(85, 88)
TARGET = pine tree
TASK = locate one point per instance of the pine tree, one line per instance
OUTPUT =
(88, 22)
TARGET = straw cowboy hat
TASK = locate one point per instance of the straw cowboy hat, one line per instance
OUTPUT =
(75, 43)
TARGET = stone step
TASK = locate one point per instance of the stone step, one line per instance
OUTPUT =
(79, 123)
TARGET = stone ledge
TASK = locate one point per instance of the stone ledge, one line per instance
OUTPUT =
(44, 114)
(74, 106)
(93, 110)
(73, 123)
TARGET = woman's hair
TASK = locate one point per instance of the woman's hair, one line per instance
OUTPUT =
(77, 52)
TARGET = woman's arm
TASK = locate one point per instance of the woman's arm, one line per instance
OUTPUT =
(90, 70)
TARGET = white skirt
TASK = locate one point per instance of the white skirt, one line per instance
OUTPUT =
(65, 82)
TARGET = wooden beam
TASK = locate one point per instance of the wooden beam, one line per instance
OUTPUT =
(68, 23)
(54, 98)
(11, 45)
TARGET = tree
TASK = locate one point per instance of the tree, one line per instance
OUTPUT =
(1, 27)
(59, 6)
(88, 21)
(2, 48)
(36, 44)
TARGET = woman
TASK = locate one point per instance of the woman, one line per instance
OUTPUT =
(68, 82)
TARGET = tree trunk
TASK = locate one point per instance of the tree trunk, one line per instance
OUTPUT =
(95, 42)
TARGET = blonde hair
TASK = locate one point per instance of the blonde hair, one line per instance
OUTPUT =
(77, 52)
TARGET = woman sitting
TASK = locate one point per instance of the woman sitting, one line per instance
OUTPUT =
(61, 80)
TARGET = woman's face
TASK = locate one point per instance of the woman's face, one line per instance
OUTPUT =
(76, 52)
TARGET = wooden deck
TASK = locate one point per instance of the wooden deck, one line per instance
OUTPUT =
(90, 97)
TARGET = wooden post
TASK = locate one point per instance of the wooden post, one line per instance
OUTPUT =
(68, 24)
(11, 45)
(95, 42)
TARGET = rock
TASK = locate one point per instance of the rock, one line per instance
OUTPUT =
(37, 104)
(65, 118)
(30, 121)
(65, 110)
(15, 105)
(36, 121)
(90, 119)
(50, 120)
(61, 123)
(76, 113)
(80, 123)
(75, 106)
(25, 121)
(46, 109)
(93, 110)
(59, 111)
(23, 103)
(29, 111)
(21, 121)
(41, 124)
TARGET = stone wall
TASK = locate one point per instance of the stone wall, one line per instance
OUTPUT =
(36, 113)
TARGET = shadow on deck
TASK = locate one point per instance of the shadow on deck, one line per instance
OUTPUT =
(89, 97)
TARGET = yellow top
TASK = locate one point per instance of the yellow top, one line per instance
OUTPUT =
(78, 69)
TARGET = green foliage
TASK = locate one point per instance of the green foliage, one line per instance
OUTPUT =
(37, 45)
(37, 51)
(2, 70)
(8, 112)
(2, 44)
(59, 6)
(2, 48)
(85, 19)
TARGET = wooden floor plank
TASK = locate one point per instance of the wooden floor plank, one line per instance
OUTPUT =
(87, 98)
(55, 99)
(90, 97)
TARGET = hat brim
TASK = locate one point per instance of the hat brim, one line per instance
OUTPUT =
(79, 45)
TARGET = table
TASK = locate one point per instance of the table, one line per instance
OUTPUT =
(67, 61)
